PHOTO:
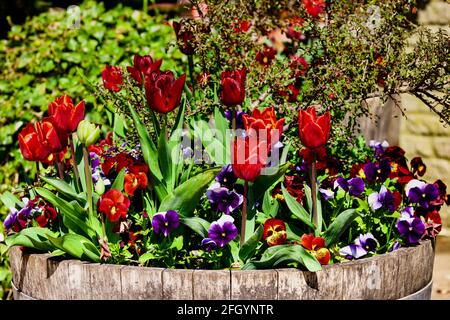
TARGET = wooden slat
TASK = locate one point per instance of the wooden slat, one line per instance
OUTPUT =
(254, 285)
(79, 280)
(141, 283)
(177, 284)
(203, 290)
(105, 281)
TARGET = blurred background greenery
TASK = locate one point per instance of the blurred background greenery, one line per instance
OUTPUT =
(43, 56)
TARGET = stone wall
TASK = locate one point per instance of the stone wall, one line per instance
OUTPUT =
(421, 133)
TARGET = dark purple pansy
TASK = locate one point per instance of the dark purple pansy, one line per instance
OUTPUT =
(10, 219)
(395, 246)
(354, 186)
(421, 193)
(367, 242)
(411, 229)
(224, 200)
(165, 222)
(383, 199)
(326, 194)
(377, 171)
(223, 231)
(239, 119)
(226, 176)
(208, 244)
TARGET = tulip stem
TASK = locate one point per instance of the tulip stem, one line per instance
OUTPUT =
(191, 72)
(314, 191)
(244, 213)
(233, 120)
(88, 176)
(60, 169)
(74, 162)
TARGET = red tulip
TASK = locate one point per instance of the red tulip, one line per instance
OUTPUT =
(233, 87)
(50, 136)
(266, 56)
(249, 157)
(163, 92)
(314, 132)
(133, 182)
(31, 146)
(114, 204)
(65, 116)
(184, 38)
(316, 246)
(274, 232)
(314, 7)
(143, 65)
(267, 121)
(112, 78)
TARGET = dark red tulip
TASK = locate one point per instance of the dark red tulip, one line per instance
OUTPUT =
(233, 87)
(314, 131)
(31, 146)
(265, 123)
(163, 91)
(185, 39)
(112, 78)
(64, 115)
(143, 65)
(249, 157)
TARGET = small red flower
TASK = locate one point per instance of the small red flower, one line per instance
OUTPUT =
(112, 78)
(291, 92)
(65, 116)
(233, 87)
(163, 91)
(274, 232)
(314, 7)
(299, 66)
(314, 131)
(294, 185)
(264, 124)
(265, 56)
(294, 29)
(48, 214)
(117, 163)
(316, 246)
(241, 26)
(143, 66)
(418, 167)
(433, 223)
(31, 146)
(114, 204)
(249, 157)
(132, 182)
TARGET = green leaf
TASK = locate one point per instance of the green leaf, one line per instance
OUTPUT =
(119, 126)
(33, 237)
(72, 218)
(64, 188)
(119, 181)
(145, 257)
(270, 205)
(296, 208)
(165, 159)
(248, 248)
(178, 125)
(308, 197)
(264, 182)
(284, 254)
(177, 243)
(338, 226)
(77, 246)
(10, 200)
(198, 225)
(186, 196)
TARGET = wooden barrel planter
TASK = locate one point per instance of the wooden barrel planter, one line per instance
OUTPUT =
(402, 274)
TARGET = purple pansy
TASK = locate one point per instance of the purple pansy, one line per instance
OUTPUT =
(410, 228)
(226, 176)
(378, 146)
(383, 199)
(97, 172)
(223, 200)
(377, 171)
(363, 244)
(395, 246)
(208, 244)
(354, 186)
(223, 231)
(10, 219)
(165, 222)
(421, 193)
(15, 215)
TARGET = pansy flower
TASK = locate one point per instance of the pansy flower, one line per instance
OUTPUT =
(418, 167)
(364, 244)
(384, 199)
(316, 246)
(222, 199)
(226, 176)
(378, 171)
(410, 228)
(223, 231)
(114, 204)
(421, 193)
(208, 244)
(433, 223)
(165, 222)
(274, 232)
(354, 186)
(378, 146)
